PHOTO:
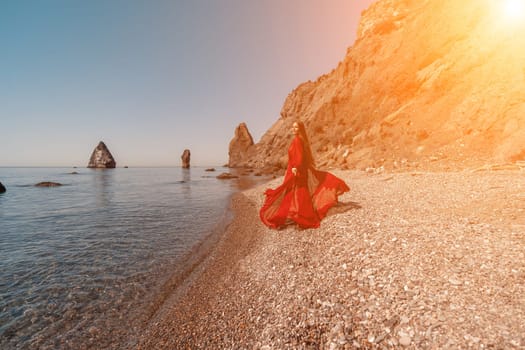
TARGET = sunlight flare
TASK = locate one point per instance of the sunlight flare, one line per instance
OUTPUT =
(514, 9)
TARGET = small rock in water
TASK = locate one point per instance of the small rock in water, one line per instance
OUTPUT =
(225, 176)
(2, 188)
(48, 184)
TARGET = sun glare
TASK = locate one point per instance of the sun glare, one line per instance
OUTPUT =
(514, 9)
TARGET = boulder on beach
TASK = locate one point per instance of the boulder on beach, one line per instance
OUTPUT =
(101, 157)
(185, 157)
(2, 188)
(48, 184)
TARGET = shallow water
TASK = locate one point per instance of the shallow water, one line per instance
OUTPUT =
(83, 265)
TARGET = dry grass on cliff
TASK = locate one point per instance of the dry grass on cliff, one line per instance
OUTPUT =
(414, 260)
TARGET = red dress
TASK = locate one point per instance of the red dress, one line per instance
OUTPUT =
(304, 198)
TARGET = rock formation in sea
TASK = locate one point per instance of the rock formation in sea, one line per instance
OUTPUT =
(101, 157)
(48, 184)
(241, 146)
(427, 84)
(185, 157)
(226, 176)
(2, 188)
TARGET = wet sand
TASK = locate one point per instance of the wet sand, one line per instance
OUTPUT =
(407, 260)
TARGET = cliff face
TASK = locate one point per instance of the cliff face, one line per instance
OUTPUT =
(427, 84)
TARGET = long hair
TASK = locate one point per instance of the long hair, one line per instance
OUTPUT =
(306, 143)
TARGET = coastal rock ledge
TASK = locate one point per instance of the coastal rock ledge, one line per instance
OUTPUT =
(101, 157)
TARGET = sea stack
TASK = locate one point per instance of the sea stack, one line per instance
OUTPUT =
(239, 147)
(186, 159)
(2, 188)
(101, 157)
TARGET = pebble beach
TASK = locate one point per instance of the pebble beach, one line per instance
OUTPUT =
(412, 260)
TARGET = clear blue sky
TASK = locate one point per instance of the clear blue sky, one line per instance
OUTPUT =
(153, 77)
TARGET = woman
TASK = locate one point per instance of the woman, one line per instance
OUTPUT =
(306, 193)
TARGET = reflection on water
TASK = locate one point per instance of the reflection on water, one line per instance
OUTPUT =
(186, 182)
(101, 182)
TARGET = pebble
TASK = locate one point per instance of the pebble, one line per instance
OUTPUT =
(404, 320)
(93, 330)
(405, 341)
(455, 281)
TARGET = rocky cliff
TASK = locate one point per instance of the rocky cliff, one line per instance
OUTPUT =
(427, 84)
(101, 157)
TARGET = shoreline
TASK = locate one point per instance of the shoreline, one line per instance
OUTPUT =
(197, 259)
(219, 259)
(413, 260)
(189, 265)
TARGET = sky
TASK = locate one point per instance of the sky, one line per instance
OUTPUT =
(152, 78)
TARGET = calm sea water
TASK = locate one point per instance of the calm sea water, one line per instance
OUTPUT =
(85, 264)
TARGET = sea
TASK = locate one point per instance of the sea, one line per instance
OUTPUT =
(87, 264)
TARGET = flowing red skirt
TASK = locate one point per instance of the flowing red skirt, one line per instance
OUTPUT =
(303, 199)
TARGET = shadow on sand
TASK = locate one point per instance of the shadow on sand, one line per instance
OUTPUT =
(343, 207)
(339, 208)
